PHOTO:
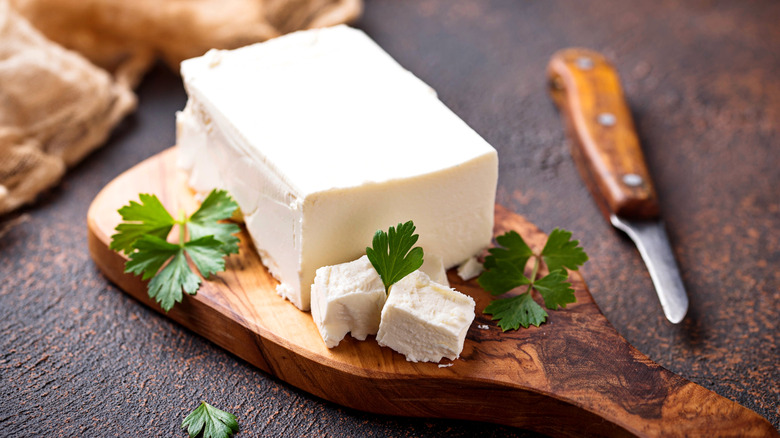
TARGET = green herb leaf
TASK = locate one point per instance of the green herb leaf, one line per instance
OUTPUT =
(147, 218)
(207, 255)
(561, 252)
(504, 271)
(515, 311)
(392, 254)
(514, 251)
(503, 277)
(217, 206)
(555, 290)
(152, 252)
(151, 256)
(213, 422)
(167, 285)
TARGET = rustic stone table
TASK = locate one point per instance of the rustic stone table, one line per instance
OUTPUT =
(80, 358)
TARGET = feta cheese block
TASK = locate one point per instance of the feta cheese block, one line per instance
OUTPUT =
(322, 139)
(424, 320)
(347, 298)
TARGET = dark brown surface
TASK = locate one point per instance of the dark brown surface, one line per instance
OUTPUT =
(80, 358)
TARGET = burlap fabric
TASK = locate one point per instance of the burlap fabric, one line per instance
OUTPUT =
(55, 106)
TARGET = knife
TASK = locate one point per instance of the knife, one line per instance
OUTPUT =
(586, 89)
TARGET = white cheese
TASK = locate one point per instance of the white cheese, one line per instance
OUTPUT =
(425, 321)
(322, 139)
(433, 267)
(470, 269)
(347, 298)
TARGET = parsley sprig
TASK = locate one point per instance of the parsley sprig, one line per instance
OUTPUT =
(142, 236)
(213, 422)
(504, 271)
(392, 254)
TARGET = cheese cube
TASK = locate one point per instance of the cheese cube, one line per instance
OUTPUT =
(347, 298)
(322, 139)
(425, 321)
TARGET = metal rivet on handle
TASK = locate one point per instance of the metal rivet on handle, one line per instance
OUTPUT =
(606, 119)
(584, 63)
(632, 180)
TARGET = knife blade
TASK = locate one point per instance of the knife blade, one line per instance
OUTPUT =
(586, 89)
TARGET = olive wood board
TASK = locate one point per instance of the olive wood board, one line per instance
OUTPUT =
(573, 375)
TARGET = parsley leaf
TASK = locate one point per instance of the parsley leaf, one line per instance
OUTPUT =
(152, 252)
(516, 311)
(147, 218)
(503, 277)
(514, 250)
(505, 271)
(166, 285)
(217, 206)
(143, 237)
(562, 252)
(213, 422)
(206, 253)
(392, 254)
(555, 290)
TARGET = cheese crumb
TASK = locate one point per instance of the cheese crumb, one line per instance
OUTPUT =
(433, 266)
(470, 269)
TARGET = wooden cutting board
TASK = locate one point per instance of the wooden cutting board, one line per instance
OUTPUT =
(574, 375)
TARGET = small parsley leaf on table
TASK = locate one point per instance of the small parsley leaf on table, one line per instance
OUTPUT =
(213, 422)
(505, 271)
(142, 236)
(392, 254)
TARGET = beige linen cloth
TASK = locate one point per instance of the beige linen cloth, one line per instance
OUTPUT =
(56, 106)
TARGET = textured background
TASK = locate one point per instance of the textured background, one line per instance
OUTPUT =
(80, 358)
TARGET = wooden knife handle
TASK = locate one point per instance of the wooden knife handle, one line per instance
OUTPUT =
(586, 88)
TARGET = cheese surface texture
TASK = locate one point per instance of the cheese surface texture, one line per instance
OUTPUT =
(425, 321)
(347, 298)
(322, 139)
